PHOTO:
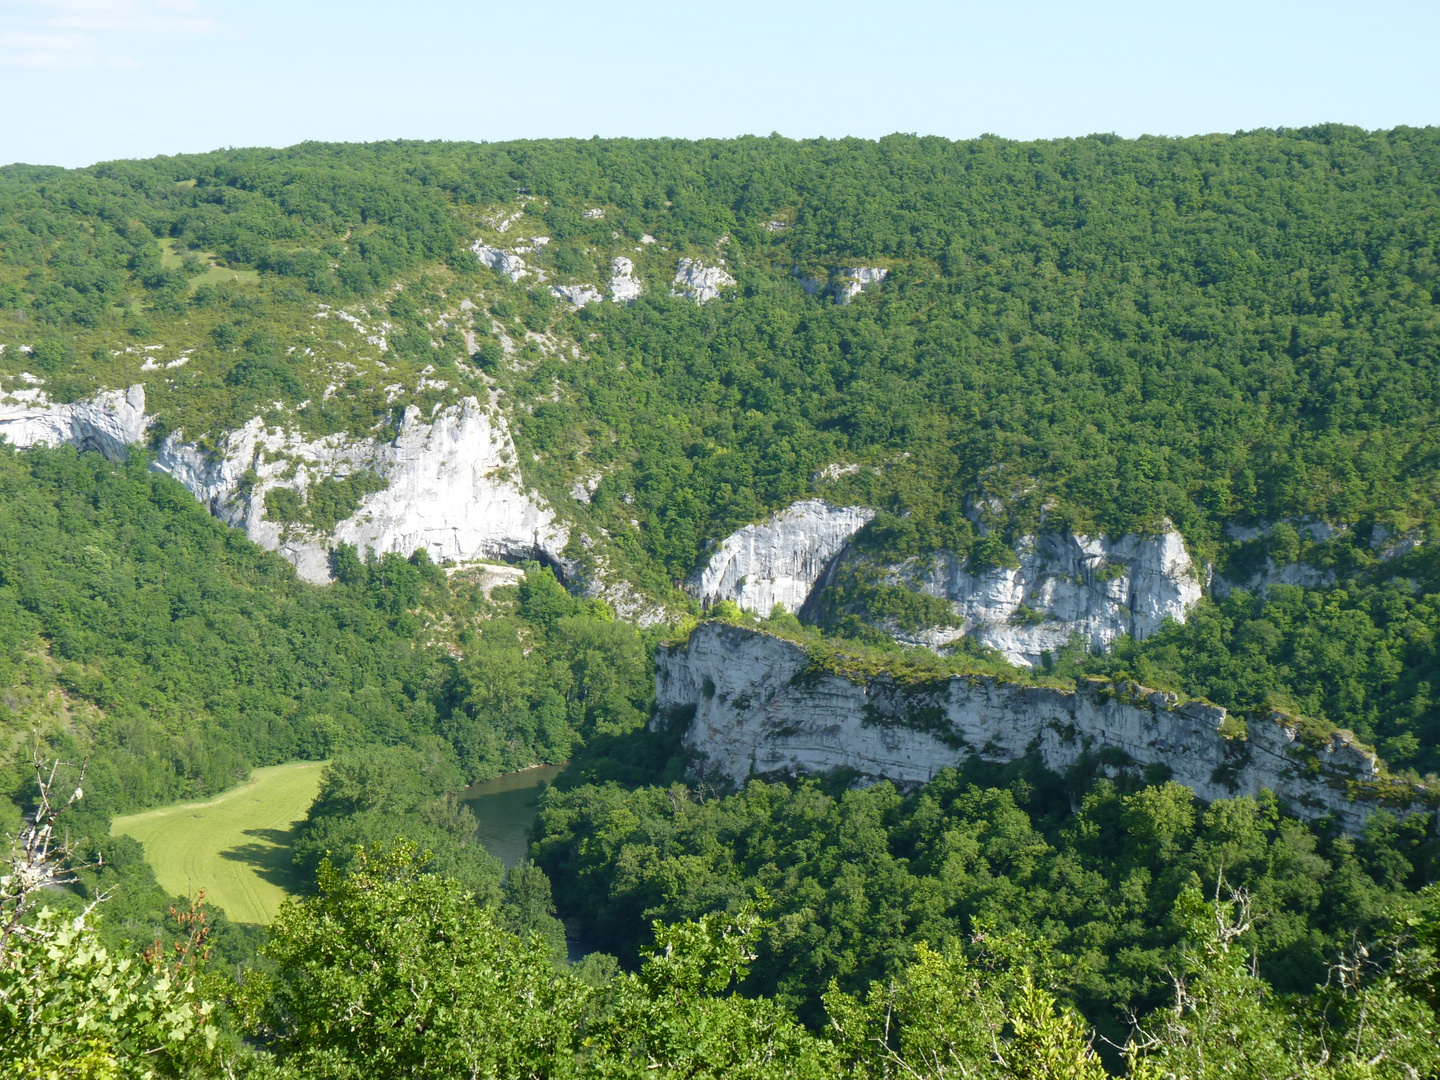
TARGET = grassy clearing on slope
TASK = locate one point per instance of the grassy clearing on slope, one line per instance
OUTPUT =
(236, 846)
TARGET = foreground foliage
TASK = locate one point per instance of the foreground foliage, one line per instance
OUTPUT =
(859, 877)
(391, 971)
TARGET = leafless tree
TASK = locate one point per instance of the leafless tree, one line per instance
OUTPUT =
(40, 858)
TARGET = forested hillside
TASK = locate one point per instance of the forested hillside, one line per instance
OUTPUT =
(1227, 328)
(1234, 336)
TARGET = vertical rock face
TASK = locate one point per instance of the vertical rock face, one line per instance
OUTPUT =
(760, 707)
(110, 422)
(451, 487)
(780, 560)
(624, 285)
(1065, 585)
(699, 283)
(857, 279)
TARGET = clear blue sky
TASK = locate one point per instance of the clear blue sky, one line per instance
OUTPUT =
(88, 80)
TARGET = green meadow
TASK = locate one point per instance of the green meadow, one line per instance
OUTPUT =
(236, 846)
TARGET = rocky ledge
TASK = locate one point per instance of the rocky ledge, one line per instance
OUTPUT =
(762, 706)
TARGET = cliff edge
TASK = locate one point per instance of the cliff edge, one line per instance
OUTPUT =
(763, 706)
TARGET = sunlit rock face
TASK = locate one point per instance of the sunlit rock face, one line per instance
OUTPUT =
(504, 262)
(110, 422)
(451, 486)
(1064, 585)
(846, 282)
(700, 283)
(577, 295)
(857, 279)
(624, 285)
(760, 707)
(780, 560)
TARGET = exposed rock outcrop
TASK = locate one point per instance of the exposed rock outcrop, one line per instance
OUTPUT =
(1273, 573)
(778, 561)
(1065, 585)
(451, 484)
(1388, 545)
(624, 285)
(505, 262)
(451, 487)
(761, 707)
(846, 283)
(110, 422)
(700, 283)
(1262, 570)
(857, 279)
(577, 295)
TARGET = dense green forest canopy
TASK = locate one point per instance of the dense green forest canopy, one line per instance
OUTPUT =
(858, 877)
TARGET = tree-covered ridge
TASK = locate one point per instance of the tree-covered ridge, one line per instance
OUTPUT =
(1111, 331)
(190, 655)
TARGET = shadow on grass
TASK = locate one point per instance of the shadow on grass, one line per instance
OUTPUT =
(269, 856)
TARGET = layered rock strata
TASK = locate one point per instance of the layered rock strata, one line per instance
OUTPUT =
(778, 561)
(760, 706)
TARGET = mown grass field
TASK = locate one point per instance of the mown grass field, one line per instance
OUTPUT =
(235, 846)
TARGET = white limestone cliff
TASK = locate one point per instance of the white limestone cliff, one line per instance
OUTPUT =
(778, 561)
(846, 282)
(760, 707)
(110, 422)
(452, 483)
(700, 283)
(624, 285)
(856, 279)
(452, 487)
(1065, 585)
